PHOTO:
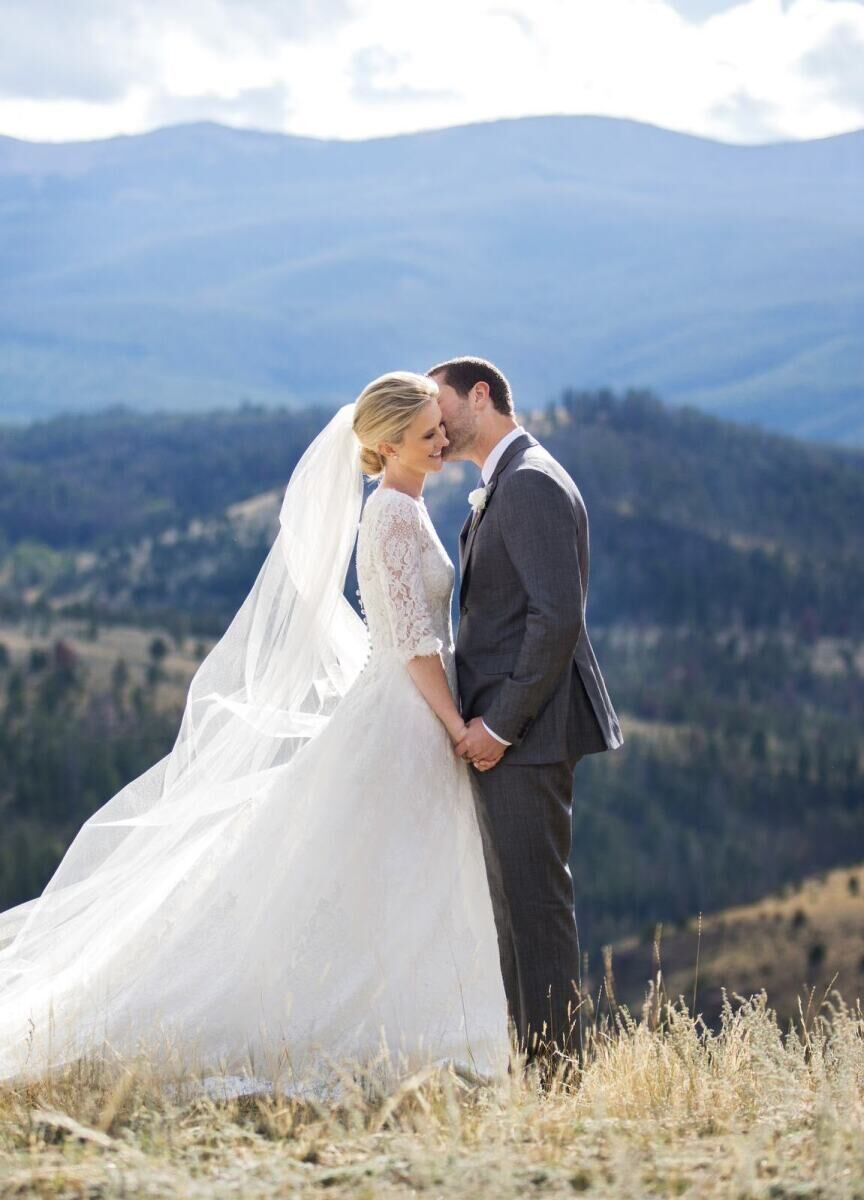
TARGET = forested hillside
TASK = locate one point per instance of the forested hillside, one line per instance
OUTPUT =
(725, 607)
(694, 519)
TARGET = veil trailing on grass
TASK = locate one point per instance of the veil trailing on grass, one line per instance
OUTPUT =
(291, 652)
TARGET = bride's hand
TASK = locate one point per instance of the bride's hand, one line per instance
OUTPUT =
(456, 735)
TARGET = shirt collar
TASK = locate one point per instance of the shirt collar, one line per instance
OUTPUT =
(494, 455)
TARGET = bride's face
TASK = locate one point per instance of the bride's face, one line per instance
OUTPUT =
(423, 441)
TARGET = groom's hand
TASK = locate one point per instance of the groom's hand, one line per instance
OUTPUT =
(479, 747)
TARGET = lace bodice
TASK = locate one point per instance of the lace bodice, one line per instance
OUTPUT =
(405, 578)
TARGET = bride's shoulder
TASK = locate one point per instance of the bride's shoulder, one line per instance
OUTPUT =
(389, 499)
(392, 515)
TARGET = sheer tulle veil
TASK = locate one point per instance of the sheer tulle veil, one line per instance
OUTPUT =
(291, 652)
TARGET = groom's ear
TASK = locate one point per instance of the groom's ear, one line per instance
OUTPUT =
(480, 393)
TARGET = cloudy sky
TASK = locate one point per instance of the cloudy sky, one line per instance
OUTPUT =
(738, 70)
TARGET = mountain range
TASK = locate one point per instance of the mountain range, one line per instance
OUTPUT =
(199, 266)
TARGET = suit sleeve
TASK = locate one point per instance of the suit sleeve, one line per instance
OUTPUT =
(539, 525)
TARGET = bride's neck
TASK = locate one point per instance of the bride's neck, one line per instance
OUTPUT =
(403, 480)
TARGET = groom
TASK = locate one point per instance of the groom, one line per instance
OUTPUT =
(531, 692)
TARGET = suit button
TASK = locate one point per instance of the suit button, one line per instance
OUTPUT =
(463, 610)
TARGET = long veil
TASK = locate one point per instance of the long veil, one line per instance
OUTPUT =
(291, 652)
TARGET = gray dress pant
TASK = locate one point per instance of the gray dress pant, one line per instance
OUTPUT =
(525, 813)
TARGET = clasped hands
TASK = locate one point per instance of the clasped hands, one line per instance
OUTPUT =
(476, 745)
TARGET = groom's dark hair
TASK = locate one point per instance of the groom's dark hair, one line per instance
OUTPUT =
(462, 373)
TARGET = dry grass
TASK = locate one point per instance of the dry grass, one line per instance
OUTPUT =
(664, 1107)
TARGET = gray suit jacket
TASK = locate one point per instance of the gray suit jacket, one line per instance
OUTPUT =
(523, 656)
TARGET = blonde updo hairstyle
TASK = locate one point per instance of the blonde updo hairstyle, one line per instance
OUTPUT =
(384, 410)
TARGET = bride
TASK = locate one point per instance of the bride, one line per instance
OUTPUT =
(300, 882)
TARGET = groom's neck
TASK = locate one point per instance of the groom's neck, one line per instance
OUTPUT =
(497, 428)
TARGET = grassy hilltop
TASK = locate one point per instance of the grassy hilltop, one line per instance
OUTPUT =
(663, 1108)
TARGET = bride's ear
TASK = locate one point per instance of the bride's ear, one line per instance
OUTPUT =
(387, 450)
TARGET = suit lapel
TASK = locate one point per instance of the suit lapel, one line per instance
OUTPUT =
(474, 524)
(463, 537)
(470, 528)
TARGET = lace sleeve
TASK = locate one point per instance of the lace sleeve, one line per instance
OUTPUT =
(397, 551)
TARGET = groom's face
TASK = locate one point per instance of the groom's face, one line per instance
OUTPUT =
(460, 421)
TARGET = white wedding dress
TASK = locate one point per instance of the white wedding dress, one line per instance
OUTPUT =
(336, 911)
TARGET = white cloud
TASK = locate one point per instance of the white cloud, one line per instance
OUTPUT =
(753, 70)
(375, 75)
(701, 10)
(255, 108)
(56, 52)
(837, 64)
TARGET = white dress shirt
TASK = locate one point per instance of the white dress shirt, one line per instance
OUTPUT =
(494, 456)
(486, 473)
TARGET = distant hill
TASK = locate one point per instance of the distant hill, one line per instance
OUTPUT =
(804, 938)
(694, 520)
(725, 605)
(198, 266)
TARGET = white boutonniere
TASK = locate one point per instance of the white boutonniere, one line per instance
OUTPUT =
(477, 499)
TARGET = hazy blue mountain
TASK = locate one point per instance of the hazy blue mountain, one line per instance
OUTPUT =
(200, 265)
